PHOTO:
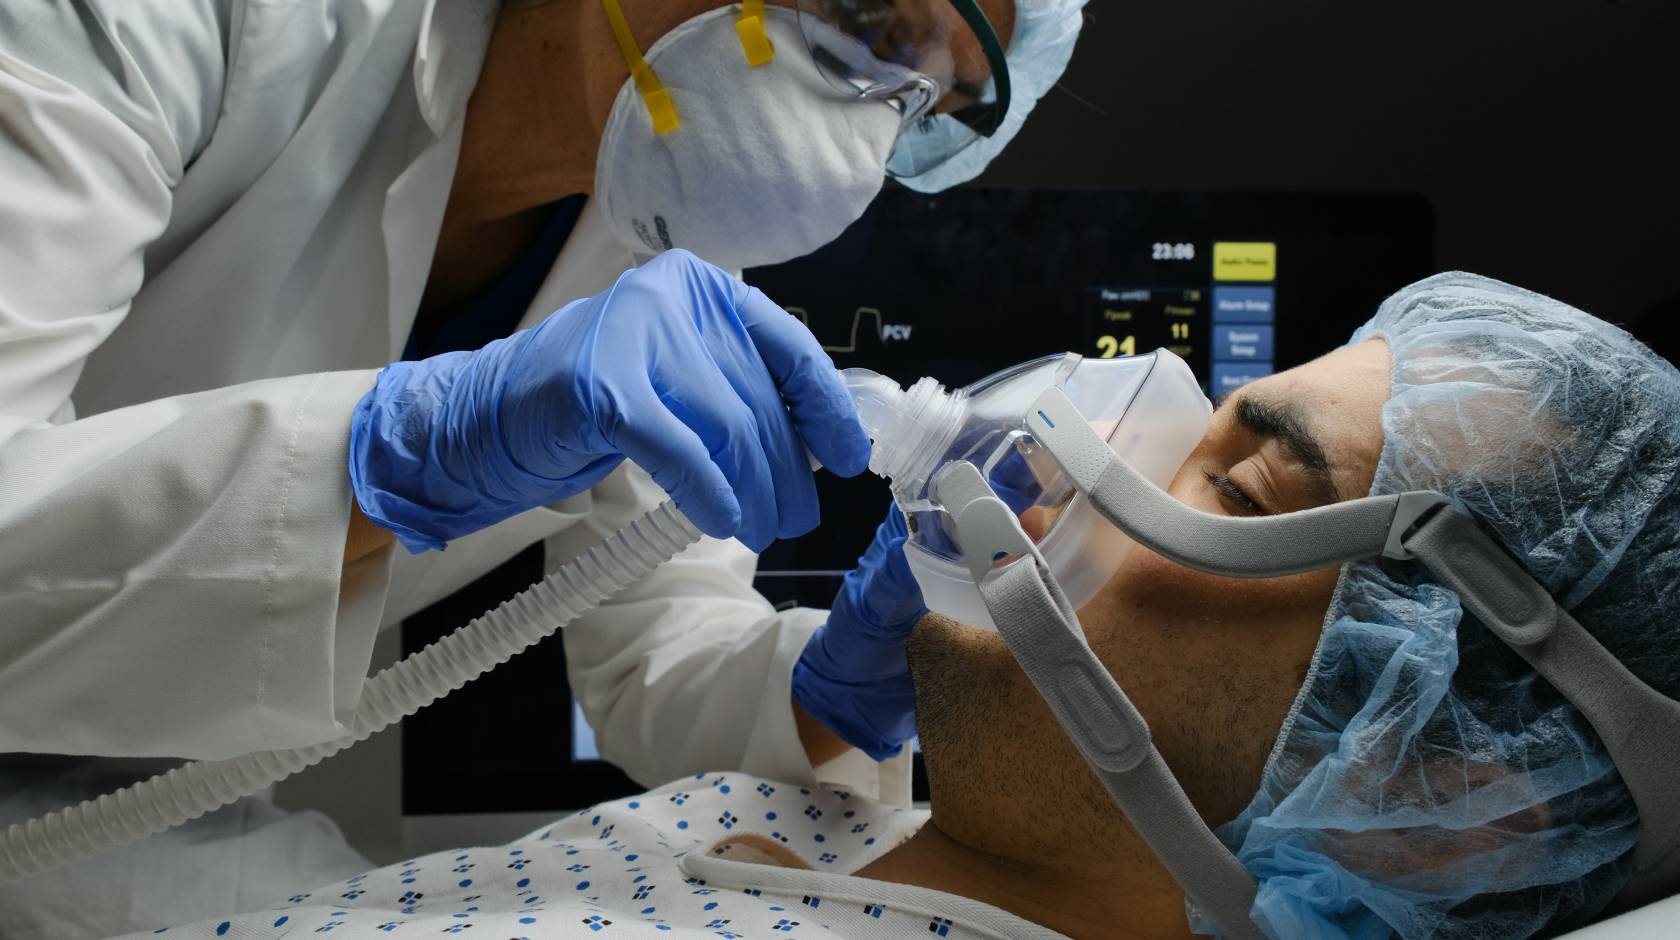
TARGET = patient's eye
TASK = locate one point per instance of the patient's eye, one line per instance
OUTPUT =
(1233, 494)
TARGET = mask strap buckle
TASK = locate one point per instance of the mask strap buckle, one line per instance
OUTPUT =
(755, 42)
(658, 100)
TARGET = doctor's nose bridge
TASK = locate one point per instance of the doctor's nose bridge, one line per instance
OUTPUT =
(1639, 726)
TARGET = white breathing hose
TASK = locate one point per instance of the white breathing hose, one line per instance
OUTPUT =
(190, 791)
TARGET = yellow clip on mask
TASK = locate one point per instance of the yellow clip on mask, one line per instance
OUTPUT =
(755, 45)
(755, 42)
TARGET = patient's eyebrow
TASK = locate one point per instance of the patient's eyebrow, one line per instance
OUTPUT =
(1284, 424)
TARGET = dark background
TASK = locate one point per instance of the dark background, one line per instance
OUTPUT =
(1543, 133)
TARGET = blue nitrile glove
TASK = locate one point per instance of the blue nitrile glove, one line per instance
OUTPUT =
(853, 676)
(701, 380)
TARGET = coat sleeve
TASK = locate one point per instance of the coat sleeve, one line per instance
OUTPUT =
(691, 669)
(171, 577)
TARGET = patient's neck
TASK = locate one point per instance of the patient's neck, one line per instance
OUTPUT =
(1118, 896)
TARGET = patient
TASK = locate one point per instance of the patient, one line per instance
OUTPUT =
(1424, 783)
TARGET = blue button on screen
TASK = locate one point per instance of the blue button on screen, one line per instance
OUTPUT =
(1242, 342)
(1244, 304)
(1230, 376)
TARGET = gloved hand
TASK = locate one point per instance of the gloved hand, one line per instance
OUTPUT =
(853, 676)
(701, 380)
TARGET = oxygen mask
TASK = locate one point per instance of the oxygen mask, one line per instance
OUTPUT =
(1150, 409)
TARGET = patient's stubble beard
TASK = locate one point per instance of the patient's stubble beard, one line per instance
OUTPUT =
(1004, 777)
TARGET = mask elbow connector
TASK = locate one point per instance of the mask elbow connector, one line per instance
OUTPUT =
(911, 429)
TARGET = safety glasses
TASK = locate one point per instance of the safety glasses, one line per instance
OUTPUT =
(938, 61)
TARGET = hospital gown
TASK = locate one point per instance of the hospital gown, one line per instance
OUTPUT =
(695, 858)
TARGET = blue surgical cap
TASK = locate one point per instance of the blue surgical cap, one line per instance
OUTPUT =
(1427, 783)
(1045, 31)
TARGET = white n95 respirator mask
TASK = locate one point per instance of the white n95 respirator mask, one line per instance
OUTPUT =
(1150, 409)
(760, 165)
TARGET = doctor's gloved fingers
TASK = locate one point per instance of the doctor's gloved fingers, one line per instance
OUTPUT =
(706, 454)
(887, 548)
(732, 405)
(895, 526)
(791, 474)
(740, 373)
(810, 386)
(682, 466)
(882, 591)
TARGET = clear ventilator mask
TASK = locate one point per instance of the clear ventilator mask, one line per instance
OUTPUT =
(1149, 409)
(1023, 493)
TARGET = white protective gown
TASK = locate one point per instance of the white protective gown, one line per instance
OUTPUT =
(216, 221)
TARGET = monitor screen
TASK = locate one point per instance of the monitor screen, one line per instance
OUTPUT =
(957, 286)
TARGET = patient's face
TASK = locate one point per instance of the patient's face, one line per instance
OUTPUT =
(1212, 663)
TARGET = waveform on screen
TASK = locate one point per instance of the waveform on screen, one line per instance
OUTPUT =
(884, 332)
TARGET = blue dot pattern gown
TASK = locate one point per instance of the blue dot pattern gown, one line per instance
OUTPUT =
(714, 855)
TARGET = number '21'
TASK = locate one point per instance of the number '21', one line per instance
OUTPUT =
(1108, 347)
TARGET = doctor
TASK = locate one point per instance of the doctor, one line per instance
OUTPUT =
(219, 219)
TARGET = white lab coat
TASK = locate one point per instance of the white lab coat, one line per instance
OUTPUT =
(216, 221)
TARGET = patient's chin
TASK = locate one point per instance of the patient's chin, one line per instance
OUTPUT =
(983, 726)
(937, 623)
(956, 669)
(952, 643)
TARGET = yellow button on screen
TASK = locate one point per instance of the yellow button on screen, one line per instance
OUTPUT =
(1244, 261)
